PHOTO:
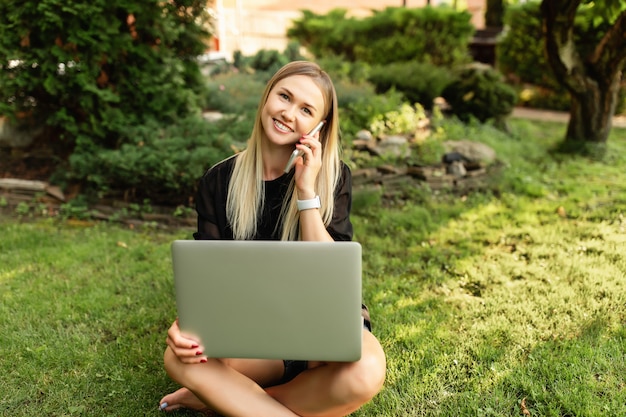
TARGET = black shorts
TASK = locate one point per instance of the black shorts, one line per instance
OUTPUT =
(295, 368)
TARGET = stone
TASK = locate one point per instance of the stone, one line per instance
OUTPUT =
(456, 168)
(394, 145)
(474, 152)
(364, 135)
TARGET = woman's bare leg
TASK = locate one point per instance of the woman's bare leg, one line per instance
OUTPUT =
(224, 389)
(327, 390)
(336, 388)
(263, 372)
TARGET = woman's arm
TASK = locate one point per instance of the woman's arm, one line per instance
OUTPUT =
(340, 228)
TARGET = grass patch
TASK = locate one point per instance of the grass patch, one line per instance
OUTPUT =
(483, 302)
(83, 313)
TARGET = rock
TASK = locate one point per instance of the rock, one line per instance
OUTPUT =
(456, 168)
(474, 152)
(394, 145)
(364, 135)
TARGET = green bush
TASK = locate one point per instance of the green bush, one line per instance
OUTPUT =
(341, 69)
(89, 69)
(406, 119)
(160, 163)
(480, 92)
(359, 105)
(266, 62)
(234, 93)
(418, 82)
(91, 63)
(438, 35)
(520, 50)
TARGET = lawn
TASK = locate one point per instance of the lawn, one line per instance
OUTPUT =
(506, 302)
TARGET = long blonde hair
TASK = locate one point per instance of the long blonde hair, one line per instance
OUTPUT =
(246, 190)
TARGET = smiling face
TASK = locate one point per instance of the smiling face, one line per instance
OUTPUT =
(293, 107)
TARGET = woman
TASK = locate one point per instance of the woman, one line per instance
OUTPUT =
(249, 196)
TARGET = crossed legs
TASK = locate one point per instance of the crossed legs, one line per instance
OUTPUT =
(241, 387)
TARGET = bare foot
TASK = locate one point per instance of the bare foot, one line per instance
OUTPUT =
(183, 398)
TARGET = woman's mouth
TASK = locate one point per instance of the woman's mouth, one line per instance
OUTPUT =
(282, 127)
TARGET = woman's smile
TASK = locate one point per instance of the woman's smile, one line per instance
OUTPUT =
(282, 127)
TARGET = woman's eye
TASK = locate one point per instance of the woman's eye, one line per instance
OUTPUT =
(284, 96)
(307, 111)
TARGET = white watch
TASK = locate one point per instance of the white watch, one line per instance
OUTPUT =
(313, 203)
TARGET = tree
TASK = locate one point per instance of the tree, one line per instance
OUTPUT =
(90, 69)
(494, 13)
(591, 76)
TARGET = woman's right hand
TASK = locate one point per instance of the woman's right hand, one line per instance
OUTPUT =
(187, 350)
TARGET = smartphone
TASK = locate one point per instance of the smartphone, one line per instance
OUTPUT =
(297, 152)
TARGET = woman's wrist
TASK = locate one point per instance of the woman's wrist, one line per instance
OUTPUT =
(306, 195)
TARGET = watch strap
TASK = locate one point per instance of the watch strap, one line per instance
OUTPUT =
(313, 203)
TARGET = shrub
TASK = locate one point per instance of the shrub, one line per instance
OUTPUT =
(405, 119)
(520, 50)
(161, 163)
(418, 82)
(234, 93)
(438, 35)
(359, 105)
(341, 69)
(89, 68)
(480, 92)
(266, 62)
(104, 76)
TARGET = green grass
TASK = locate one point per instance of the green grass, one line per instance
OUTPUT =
(481, 301)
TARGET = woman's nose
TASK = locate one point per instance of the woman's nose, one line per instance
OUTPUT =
(288, 113)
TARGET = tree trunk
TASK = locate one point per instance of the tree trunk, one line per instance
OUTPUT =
(593, 81)
(591, 113)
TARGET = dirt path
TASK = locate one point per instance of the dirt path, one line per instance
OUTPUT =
(556, 116)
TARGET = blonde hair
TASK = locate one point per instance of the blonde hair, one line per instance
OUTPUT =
(246, 189)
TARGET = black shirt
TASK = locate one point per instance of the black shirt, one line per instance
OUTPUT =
(213, 192)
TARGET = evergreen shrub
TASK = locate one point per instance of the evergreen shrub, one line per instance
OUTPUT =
(437, 35)
(234, 93)
(520, 50)
(156, 162)
(93, 70)
(341, 69)
(418, 82)
(480, 92)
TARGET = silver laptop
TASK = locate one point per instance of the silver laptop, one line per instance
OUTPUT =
(270, 299)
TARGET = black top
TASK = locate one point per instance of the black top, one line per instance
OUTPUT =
(213, 191)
